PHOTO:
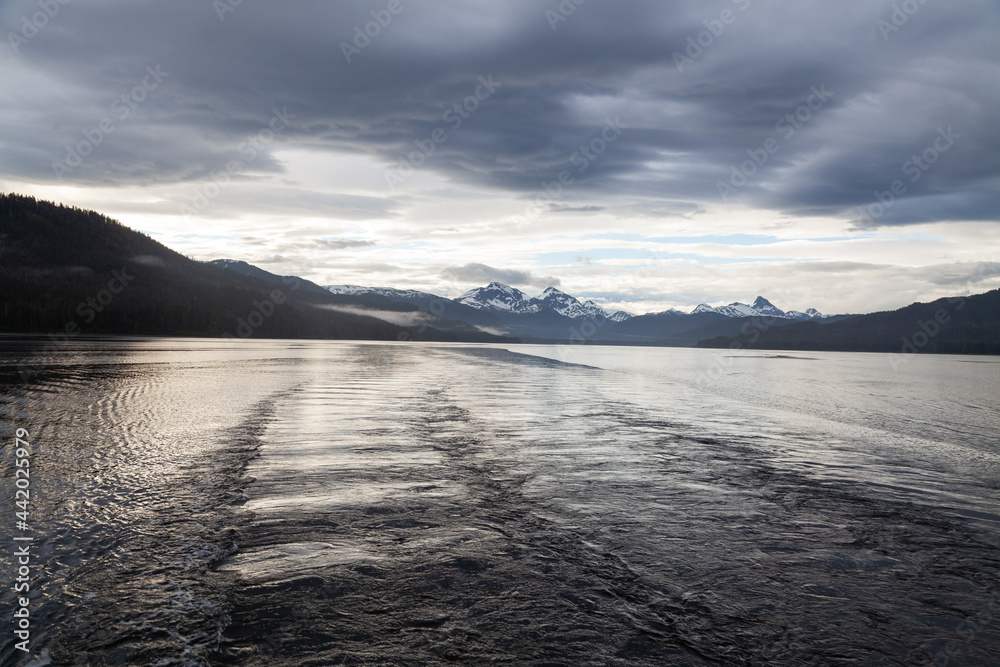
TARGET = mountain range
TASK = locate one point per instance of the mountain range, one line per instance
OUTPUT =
(500, 298)
(556, 315)
(69, 271)
(761, 308)
(504, 298)
(952, 325)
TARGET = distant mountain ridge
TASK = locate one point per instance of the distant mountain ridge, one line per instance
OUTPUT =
(556, 315)
(72, 271)
(66, 271)
(761, 308)
(502, 309)
(500, 298)
(952, 325)
(390, 292)
(504, 298)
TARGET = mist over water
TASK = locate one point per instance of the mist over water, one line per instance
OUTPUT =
(295, 503)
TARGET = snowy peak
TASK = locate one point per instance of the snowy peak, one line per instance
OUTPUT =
(737, 309)
(594, 311)
(349, 289)
(620, 316)
(564, 304)
(761, 308)
(569, 306)
(507, 289)
(765, 307)
(507, 299)
(389, 292)
(500, 297)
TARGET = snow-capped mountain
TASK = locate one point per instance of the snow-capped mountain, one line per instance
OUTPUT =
(761, 308)
(619, 315)
(501, 299)
(765, 307)
(569, 306)
(498, 297)
(810, 314)
(390, 292)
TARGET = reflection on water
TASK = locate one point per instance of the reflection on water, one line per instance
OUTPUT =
(281, 503)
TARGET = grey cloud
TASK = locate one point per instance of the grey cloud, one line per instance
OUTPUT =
(379, 267)
(962, 273)
(270, 259)
(483, 274)
(341, 244)
(687, 129)
(557, 208)
(310, 247)
(834, 267)
(245, 198)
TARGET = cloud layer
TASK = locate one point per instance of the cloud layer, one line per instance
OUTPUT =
(369, 118)
(482, 274)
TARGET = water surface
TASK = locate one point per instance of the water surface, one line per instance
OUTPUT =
(296, 503)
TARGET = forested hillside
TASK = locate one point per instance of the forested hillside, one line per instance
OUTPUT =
(64, 269)
(955, 325)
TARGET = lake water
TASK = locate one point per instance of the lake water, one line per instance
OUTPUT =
(314, 503)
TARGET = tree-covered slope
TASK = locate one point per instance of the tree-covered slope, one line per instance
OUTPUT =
(955, 325)
(64, 269)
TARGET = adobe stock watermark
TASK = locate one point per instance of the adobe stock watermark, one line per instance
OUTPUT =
(966, 632)
(581, 159)
(22, 542)
(121, 108)
(786, 126)
(915, 167)
(456, 114)
(363, 38)
(87, 310)
(248, 150)
(586, 330)
(223, 7)
(562, 13)
(31, 27)
(924, 331)
(697, 44)
(753, 328)
(899, 16)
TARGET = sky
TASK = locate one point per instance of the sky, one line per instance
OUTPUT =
(648, 155)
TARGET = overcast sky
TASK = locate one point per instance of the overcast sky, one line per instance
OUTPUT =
(644, 154)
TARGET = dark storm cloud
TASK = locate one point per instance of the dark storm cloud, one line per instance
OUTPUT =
(556, 208)
(534, 98)
(481, 274)
(964, 273)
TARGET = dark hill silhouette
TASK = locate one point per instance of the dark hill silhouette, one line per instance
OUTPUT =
(69, 270)
(954, 325)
